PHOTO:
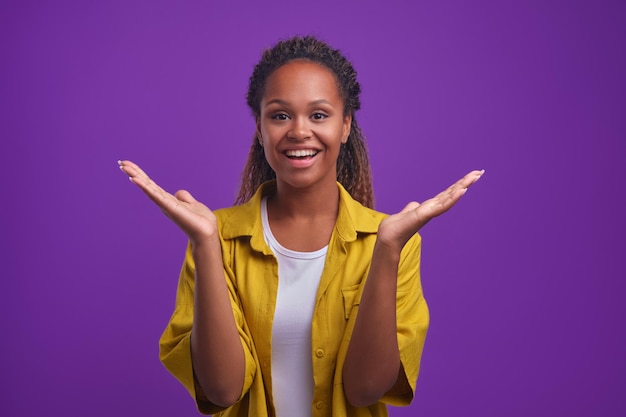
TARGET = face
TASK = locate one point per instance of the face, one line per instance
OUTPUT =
(301, 124)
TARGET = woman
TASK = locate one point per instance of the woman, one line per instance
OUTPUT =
(300, 300)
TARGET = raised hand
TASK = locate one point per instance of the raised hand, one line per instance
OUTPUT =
(194, 218)
(397, 229)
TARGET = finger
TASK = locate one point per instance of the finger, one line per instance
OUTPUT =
(135, 174)
(133, 170)
(166, 201)
(449, 197)
(454, 191)
(442, 202)
(470, 178)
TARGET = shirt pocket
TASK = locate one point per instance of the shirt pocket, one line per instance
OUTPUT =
(350, 299)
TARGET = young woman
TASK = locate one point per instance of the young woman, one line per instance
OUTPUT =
(300, 300)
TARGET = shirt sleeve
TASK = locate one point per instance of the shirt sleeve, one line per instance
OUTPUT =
(175, 342)
(412, 323)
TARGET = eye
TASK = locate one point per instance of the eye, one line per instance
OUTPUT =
(319, 116)
(280, 116)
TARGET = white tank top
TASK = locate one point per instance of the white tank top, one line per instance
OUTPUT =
(299, 276)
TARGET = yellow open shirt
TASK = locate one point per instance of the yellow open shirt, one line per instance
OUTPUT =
(251, 272)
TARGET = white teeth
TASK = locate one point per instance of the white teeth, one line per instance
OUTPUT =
(300, 153)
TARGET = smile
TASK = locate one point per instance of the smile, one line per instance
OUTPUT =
(301, 153)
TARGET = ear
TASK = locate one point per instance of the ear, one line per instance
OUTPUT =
(347, 123)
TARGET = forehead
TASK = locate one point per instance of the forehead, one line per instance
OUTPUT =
(302, 78)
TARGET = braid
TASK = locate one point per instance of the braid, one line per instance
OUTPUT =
(353, 168)
(255, 173)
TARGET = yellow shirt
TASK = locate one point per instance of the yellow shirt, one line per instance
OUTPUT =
(251, 272)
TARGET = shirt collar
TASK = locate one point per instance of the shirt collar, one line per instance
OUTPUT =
(353, 218)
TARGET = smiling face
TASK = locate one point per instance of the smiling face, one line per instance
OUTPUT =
(302, 125)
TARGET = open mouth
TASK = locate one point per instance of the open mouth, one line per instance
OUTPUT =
(301, 153)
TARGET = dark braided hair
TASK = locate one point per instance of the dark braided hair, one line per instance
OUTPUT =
(353, 168)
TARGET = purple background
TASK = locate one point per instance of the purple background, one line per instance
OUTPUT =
(524, 278)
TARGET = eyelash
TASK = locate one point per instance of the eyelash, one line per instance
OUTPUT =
(315, 116)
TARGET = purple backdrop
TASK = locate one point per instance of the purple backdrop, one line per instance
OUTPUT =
(524, 277)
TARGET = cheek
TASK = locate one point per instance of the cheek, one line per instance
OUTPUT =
(270, 132)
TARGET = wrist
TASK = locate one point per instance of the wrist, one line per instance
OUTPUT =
(205, 244)
(388, 251)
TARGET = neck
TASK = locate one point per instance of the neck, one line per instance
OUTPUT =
(302, 203)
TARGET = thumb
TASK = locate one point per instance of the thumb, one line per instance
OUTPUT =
(411, 206)
(184, 196)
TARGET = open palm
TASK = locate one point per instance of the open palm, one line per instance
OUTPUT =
(194, 218)
(398, 228)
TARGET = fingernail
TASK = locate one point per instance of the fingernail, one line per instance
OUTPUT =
(119, 162)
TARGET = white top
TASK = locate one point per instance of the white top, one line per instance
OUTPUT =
(299, 276)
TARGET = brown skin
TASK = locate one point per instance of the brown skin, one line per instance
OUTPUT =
(374, 340)
(301, 109)
(220, 368)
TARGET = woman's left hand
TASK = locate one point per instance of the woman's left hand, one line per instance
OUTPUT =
(398, 228)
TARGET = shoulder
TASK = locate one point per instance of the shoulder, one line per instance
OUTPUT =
(355, 216)
(223, 214)
(238, 221)
(244, 219)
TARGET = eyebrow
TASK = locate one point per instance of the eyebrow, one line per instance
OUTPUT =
(285, 103)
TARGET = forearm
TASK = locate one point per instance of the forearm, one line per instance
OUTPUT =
(216, 350)
(373, 359)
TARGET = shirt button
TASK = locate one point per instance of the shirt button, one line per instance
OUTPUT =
(319, 404)
(319, 353)
(265, 364)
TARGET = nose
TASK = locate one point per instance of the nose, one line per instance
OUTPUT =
(300, 129)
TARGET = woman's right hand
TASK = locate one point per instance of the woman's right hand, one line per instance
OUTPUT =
(218, 362)
(194, 218)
